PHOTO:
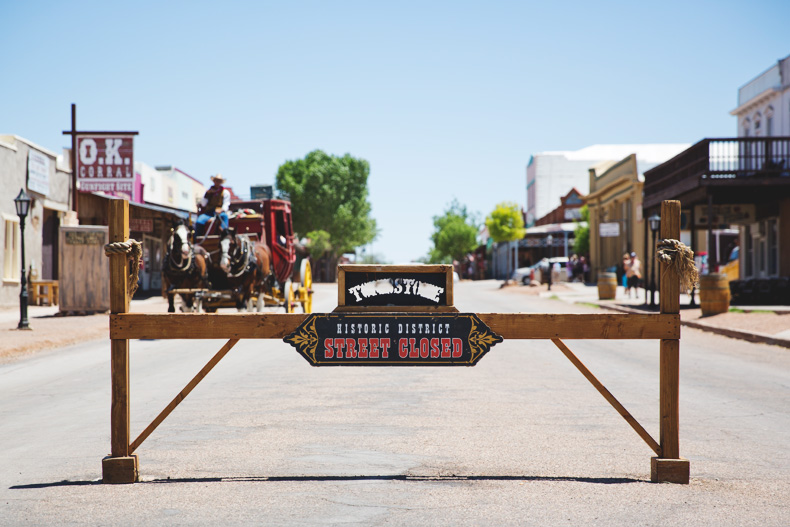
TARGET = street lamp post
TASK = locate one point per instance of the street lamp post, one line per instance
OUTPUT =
(22, 204)
(655, 223)
(550, 242)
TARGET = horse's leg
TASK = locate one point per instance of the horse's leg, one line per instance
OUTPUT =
(171, 308)
(188, 300)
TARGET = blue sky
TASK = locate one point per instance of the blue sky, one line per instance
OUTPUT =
(444, 99)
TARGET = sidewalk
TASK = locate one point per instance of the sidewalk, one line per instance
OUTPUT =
(49, 330)
(764, 324)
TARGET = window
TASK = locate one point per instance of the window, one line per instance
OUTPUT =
(11, 249)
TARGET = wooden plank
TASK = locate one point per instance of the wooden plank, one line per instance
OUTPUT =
(669, 375)
(608, 396)
(669, 297)
(418, 268)
(119, 348)
(395, 309)
(119, 264)
(120, 425)
(182, 394)
(341, 286)
(279, 325)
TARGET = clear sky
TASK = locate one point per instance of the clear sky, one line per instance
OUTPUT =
(444, 99)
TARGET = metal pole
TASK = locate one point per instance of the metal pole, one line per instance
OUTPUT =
(653, 273)
(74, 200)
(23, 322)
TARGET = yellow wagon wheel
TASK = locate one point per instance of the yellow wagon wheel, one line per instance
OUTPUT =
(288, 294)
(306, 288)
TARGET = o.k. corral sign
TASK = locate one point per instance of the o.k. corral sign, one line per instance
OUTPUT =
(394, 316)
(105, 162)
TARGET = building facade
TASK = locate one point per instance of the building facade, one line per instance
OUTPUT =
(764, 103)
(615, 208)
(550, 175)
(741, 182)
(43, 176)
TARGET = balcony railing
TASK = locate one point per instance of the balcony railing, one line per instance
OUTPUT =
(740, 157)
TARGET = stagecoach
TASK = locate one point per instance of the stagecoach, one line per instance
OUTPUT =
(258, 222)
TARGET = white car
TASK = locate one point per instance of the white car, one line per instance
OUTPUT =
(526, 275)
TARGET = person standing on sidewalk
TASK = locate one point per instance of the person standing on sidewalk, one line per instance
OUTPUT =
(622, 270)
(634, 274)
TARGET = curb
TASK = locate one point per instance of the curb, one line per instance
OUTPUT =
(759, 338)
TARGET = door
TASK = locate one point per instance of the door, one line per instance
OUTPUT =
(49, 245)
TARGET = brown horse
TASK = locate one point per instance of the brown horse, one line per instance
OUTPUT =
(184, 266)
(243, 266)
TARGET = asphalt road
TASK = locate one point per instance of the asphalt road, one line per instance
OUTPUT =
(520, 439)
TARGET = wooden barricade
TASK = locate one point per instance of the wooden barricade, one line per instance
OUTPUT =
(666, 466)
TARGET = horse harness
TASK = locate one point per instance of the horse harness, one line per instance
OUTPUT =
(246, 262)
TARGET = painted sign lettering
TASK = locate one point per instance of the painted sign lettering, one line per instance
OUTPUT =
(418, 339)
(420, 286)
(105, 163)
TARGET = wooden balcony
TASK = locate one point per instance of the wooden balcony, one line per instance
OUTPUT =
(718, 164)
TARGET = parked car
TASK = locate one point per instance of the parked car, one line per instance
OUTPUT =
(526, 275)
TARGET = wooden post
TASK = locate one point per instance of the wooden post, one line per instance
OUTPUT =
(120, 466)
(670, 467)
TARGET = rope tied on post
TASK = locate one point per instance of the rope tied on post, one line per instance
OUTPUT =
(135, 251)
(678, 254)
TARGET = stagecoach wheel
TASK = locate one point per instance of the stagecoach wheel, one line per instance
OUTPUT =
(306, 291)
(288, 295)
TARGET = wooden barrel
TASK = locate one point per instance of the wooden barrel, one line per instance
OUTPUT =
(714, 294)
(607, 286)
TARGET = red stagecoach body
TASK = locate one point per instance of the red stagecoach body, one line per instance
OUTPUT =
(270, 221)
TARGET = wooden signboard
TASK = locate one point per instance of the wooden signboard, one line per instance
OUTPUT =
(395, 287)
(393, 339)
(84, 281)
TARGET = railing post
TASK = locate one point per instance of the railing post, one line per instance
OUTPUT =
(120, 466)
(670, 467)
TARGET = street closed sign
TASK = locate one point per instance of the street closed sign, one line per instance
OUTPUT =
(413, 339)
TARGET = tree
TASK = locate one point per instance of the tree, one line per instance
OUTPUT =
(319, 244)
(455, 234)
(506, 224)
(329, 193)
(581, 235)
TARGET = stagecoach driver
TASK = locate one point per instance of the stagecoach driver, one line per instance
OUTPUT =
(216, 201)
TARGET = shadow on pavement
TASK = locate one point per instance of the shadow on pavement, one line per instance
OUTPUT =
(396, 477)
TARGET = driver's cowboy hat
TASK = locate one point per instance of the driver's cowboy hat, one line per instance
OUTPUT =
(218, 179)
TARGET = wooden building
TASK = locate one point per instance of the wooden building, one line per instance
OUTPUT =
(615, 207)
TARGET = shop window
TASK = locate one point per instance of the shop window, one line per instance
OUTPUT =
(11, 249)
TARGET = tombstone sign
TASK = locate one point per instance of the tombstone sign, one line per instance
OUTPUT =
(395, 286)
(393, 339)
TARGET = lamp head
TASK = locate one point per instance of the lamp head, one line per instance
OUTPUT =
(655, 222)
(22, 204)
